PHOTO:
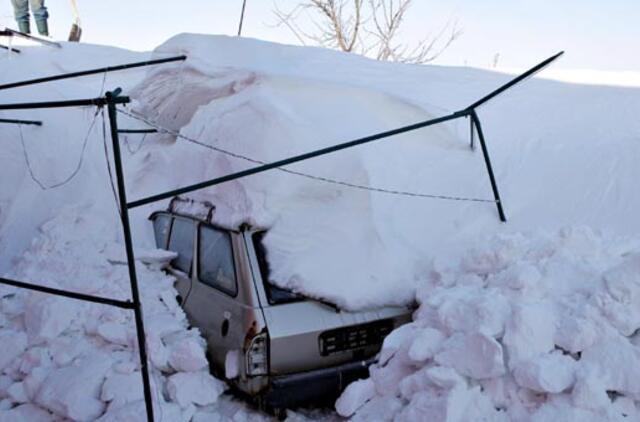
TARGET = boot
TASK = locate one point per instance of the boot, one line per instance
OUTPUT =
(43, 27)
(23, 26)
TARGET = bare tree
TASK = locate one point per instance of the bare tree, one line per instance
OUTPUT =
(368, 27)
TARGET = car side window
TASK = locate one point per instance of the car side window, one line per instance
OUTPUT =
(181, 242)
(215, 260)
(161, 229)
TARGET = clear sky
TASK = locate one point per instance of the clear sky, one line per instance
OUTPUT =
(596, 34)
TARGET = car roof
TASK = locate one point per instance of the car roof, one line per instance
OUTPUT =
(244, 227)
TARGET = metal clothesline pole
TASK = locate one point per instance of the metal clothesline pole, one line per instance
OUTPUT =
(244, 5)
(112, 101)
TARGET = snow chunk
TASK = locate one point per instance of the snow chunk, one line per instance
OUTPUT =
(114, 332)
(13, 344)
(426, 344)
(355, 396)
(529, 333)
(551, 373)
(48, 316)
(26, 412)
(73, 391)
(475, 355)
(122, 389)
(187, 354)
(194, 388)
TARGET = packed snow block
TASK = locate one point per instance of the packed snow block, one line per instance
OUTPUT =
(74, 391)
(65, 349)
(17, 393)
(198, 388)
(624, 317)
(26, 412)
(460, 405)
(529, 332)
(158, 353)
(560, 408)
(615, 362)
(433, 379)
(590, 393)
(122, 389)
(115, 332)
(623, 285)
(471, 309)
(5, 383)
(495, 257)
(426, 344)
(387, 378)
(46, 317)
(187, 354)
(575, 334)
(522, 277)
(13, 344)
(35, 357)
(381, 408)
(397, 340)
(550, 373)
(34, 380)
(476, 355)
(415, 383)
(355, 396)
(445, 378)
(162, 324)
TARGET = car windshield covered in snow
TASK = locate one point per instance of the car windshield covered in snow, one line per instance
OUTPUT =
(275, 294)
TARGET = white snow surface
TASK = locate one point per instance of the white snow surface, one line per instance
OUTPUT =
(535, 319)
(492, 342)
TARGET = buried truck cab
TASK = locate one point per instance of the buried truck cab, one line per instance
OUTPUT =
(272, 344)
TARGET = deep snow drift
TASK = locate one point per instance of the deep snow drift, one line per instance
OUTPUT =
(521, 327)
(564, 155)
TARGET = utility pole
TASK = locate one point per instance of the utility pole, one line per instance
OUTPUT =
(244, 5)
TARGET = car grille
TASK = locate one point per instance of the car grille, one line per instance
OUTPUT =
(354, 337)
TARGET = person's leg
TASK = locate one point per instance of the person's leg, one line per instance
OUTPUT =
(21, 13)
(40, 15)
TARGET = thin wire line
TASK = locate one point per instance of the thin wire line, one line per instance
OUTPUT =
(128, 144)
(161, 129)
(106, 156)
(73, 174)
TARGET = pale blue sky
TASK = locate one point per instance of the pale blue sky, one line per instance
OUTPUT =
(596, 34)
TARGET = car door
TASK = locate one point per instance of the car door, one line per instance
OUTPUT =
(182, 241)
(212, 302)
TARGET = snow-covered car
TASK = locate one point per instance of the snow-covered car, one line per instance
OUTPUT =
(277, 346)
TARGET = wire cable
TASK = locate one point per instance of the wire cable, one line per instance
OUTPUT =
(44, 186)
(161, 129)
(106, 157)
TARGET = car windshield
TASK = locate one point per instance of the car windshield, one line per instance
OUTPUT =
(275, 294)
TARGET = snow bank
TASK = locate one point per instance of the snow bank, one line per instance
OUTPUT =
(526, 328)
(65, 359)
(527, 325)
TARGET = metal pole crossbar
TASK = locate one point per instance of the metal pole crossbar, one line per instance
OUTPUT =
(11, 33)
(125, 304)
(535, 69)
(137, 131)
(93, 102)
(21, 122)
(91, 72)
